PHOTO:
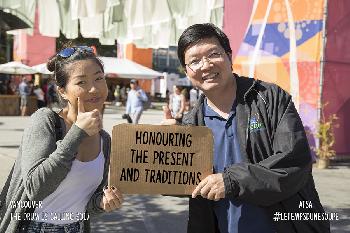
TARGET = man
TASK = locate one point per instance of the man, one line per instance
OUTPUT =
(51, 97)
(262, 163)
(24, 92)
(135, 101)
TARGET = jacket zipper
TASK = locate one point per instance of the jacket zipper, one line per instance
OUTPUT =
(247, 130)
(248, 122)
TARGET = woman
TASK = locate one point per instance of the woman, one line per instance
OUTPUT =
(65, 180)
(177, 103)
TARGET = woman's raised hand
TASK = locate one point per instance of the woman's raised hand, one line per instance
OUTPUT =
(167, 117)
(90, 122)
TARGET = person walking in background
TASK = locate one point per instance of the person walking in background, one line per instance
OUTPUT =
(123, 94)
(135, 101)
(194, 96)
(51, 94)
(177, 103)
(117, 96)
(40, 96)
(24, 92)
(185, 92)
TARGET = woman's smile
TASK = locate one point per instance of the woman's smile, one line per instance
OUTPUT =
(94, 100)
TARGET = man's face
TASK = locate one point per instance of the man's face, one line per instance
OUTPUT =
(212, 66)
(133, 86)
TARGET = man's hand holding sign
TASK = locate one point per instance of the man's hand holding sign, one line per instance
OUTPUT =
(212, 187)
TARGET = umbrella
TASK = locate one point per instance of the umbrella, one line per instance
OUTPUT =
(41, 68)
(11, 22)
(16, 67)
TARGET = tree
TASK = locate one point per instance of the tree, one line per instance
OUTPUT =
(325, 134)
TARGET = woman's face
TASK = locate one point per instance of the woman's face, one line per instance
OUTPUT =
(86, 81)
(177, 90)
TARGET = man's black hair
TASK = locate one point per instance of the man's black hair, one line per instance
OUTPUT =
(197, 32)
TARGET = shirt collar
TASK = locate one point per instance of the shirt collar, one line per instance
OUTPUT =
(209, 112)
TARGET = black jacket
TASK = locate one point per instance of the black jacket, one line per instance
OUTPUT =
(277, 170)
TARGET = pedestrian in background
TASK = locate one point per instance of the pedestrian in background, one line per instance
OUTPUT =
(194, 96)
(63, 159)
(24, 92)
(135, 101)
(117, 96)
(51, 94)
(40, 96)
(177, 103)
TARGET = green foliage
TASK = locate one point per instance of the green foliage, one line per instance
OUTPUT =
(181, 70)
(102, 50)
(326, 137)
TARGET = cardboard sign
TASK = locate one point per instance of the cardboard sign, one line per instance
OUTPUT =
(153, 159)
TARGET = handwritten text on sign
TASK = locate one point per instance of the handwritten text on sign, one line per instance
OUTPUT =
(153, 159)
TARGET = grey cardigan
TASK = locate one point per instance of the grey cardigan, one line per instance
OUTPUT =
(42, 164)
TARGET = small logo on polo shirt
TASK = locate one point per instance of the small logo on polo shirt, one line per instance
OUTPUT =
(255, 123)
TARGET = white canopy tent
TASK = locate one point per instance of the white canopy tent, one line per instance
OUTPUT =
(41, 68)
(16, 67)
(123, 68)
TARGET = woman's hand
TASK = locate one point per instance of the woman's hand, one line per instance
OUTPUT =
(112, 199)
(167, 118)
(90, 122)
(178, 116)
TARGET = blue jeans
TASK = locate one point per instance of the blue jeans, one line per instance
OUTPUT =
(41, 227)
(136, 115)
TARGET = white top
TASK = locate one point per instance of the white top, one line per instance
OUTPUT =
(39, 94)
(67, 204)
(193, 95)
(176, 103)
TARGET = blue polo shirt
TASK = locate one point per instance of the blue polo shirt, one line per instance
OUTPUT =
(233, 216)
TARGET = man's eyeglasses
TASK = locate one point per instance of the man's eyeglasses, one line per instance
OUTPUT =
(197, 64)
(67, 52)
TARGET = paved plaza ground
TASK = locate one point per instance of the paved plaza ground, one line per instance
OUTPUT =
(159, 214)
